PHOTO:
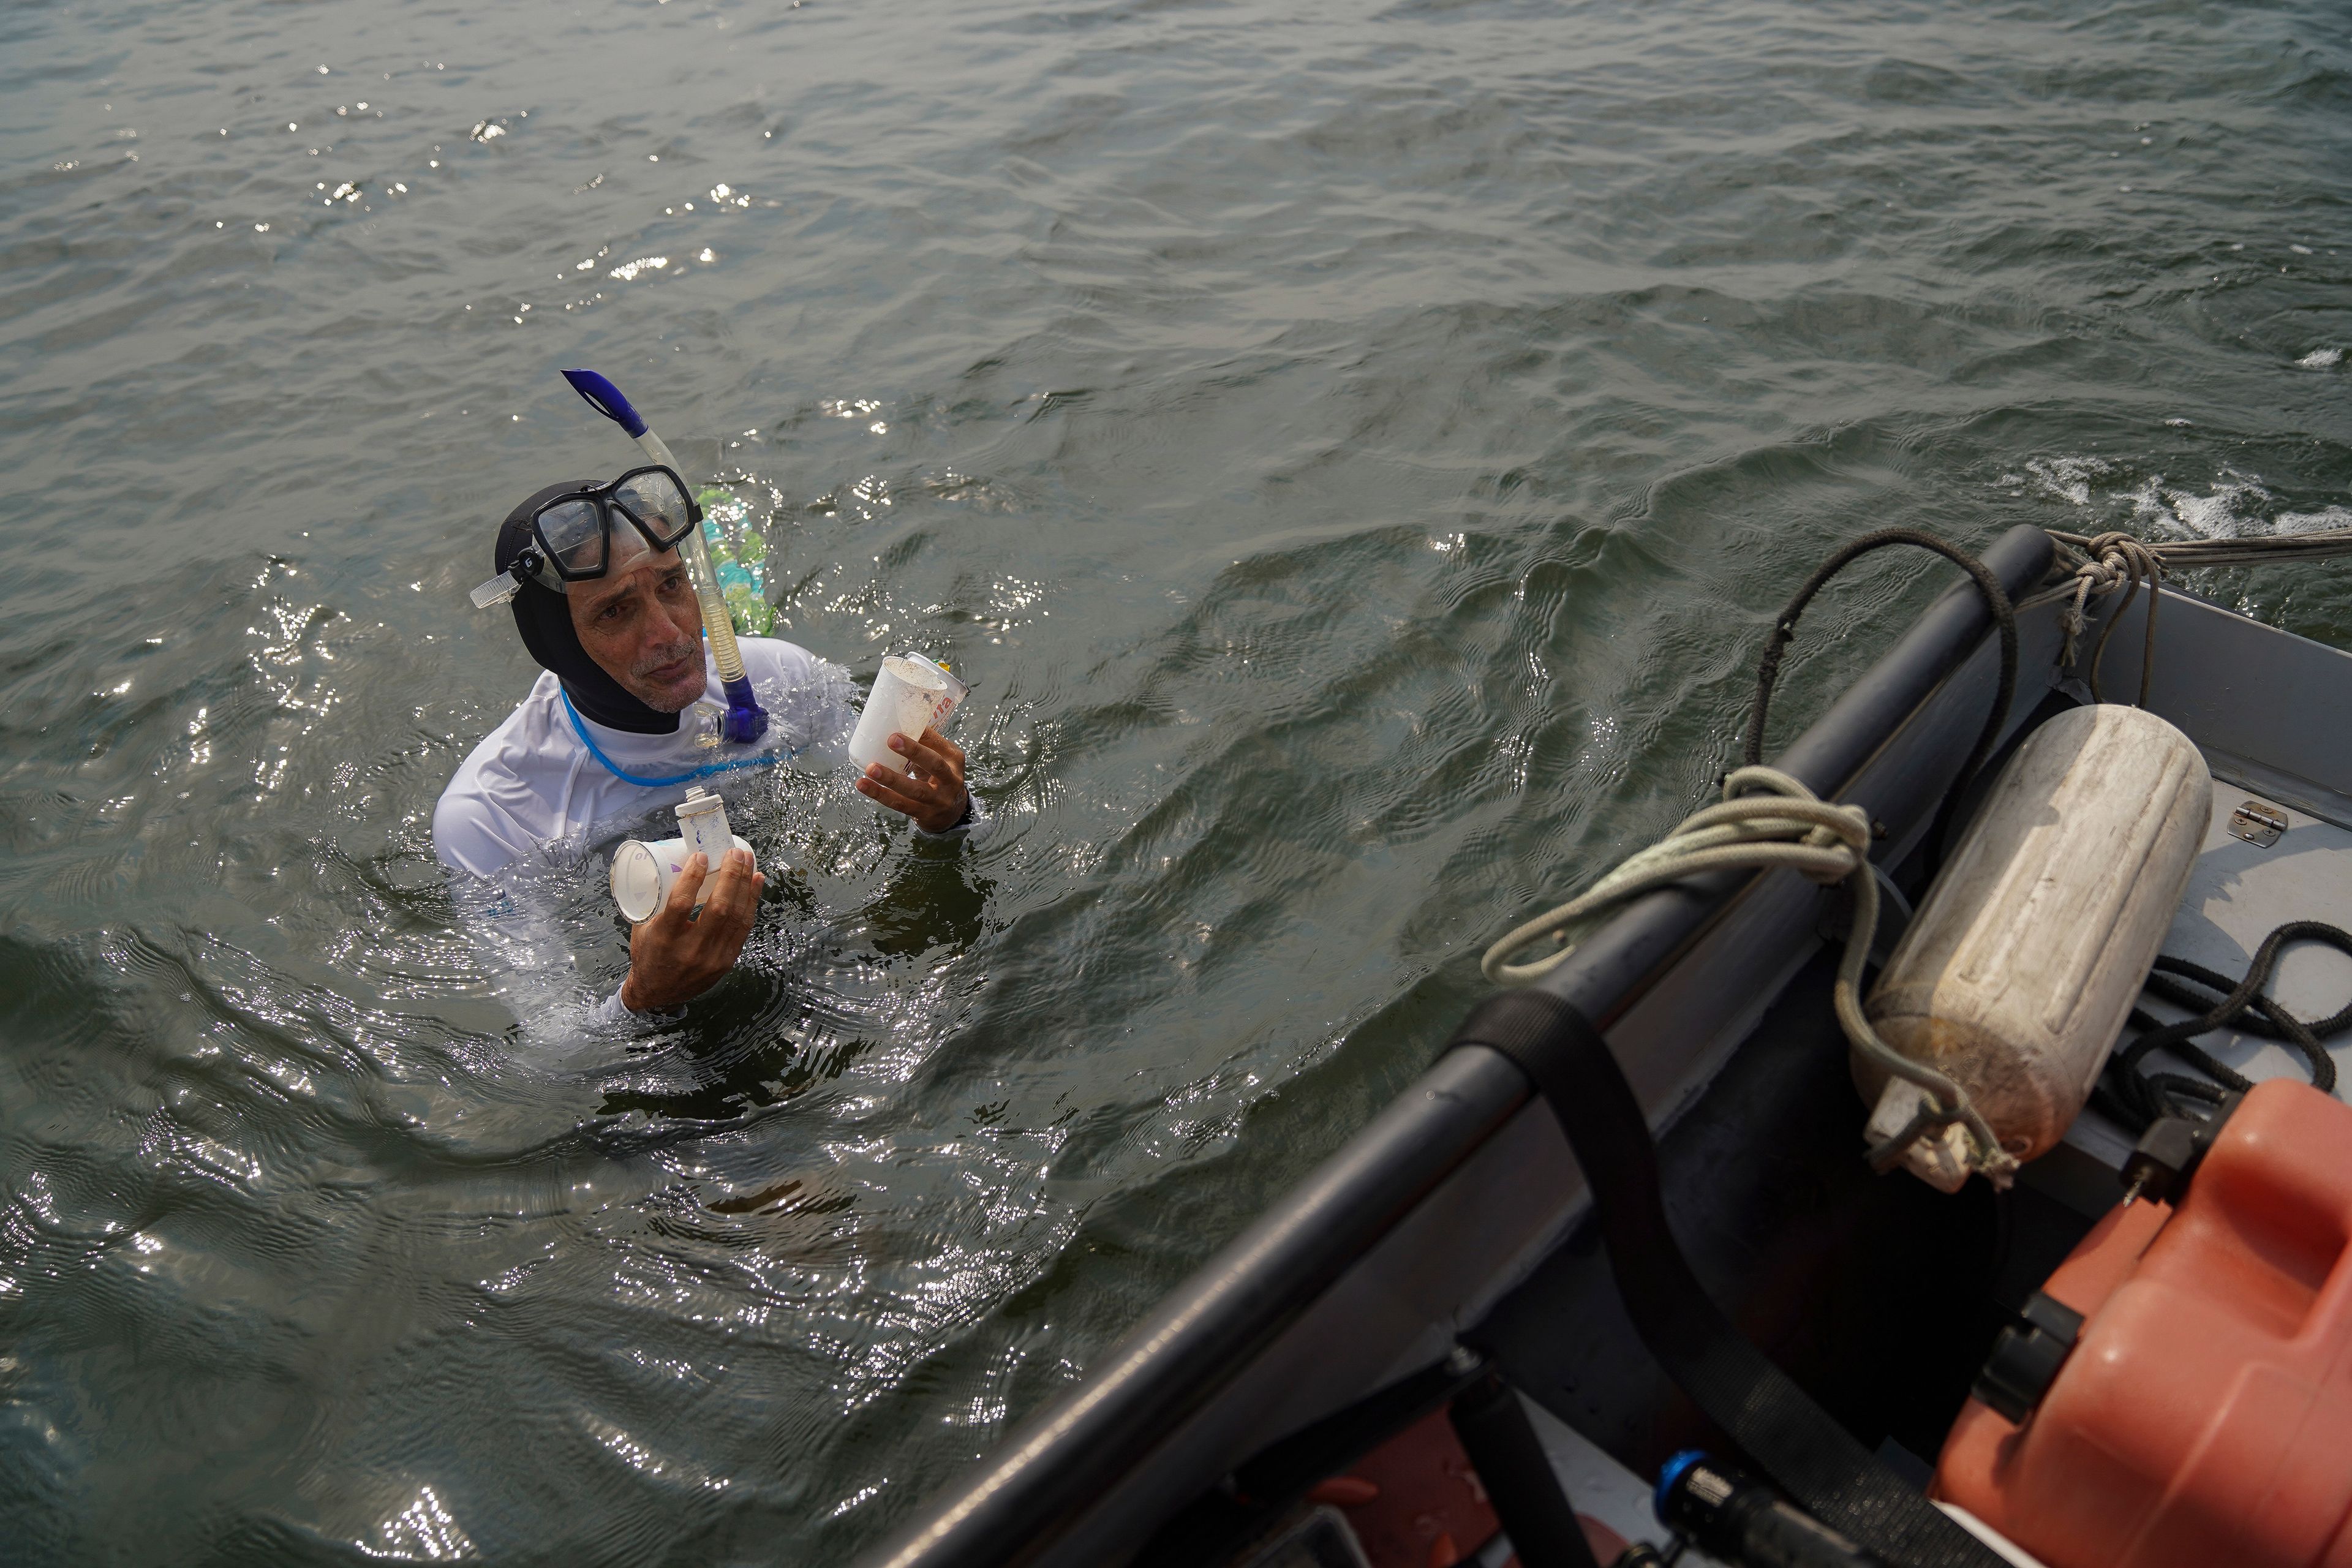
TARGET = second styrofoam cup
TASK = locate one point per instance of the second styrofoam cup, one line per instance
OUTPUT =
(909, 696)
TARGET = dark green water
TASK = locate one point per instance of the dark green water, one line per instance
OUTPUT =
(1356, 447)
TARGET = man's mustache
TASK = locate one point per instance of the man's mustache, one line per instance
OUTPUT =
(654, 661)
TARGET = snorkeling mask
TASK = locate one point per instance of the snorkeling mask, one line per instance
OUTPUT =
(571, 535)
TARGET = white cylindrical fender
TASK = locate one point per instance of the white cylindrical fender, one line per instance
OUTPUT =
(2016, 975)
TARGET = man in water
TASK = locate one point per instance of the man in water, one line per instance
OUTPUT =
(620, 638)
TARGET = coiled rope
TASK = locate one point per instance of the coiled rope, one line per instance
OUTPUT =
(2132, 1096)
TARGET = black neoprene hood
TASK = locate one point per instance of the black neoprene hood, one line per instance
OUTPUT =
(543, 620)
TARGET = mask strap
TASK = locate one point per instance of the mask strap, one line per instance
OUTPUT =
(509, 583)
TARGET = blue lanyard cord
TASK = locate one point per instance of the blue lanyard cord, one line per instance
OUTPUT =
(765, 760)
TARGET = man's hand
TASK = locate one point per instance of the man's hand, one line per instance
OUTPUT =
(677, 955)
(932, 791)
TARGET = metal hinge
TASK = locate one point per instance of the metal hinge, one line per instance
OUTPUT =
(2259, 823)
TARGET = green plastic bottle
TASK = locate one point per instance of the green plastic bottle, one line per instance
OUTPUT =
(738, 555)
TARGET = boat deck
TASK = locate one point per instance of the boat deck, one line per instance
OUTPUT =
(2239, 893)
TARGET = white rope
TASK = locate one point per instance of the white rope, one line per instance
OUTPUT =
(1768, 820)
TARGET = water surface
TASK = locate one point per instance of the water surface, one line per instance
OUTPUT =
(1355, 447)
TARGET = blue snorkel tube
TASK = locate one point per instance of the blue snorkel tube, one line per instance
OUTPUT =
(746, 721)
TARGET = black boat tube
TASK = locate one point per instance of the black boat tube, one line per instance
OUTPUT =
(1169, 1410)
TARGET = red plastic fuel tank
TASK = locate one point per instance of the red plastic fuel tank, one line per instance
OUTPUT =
(2205, 1414)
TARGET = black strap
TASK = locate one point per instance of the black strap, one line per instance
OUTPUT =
(1815, 1460)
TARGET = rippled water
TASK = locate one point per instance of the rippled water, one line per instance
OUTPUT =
(1354, 447)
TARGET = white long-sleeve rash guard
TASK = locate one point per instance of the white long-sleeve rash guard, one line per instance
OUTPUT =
(532, 784)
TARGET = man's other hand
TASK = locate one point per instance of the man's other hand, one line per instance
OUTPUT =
(677, 955)
(931, 791)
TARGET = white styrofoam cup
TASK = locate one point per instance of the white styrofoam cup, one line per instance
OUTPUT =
(911, 695)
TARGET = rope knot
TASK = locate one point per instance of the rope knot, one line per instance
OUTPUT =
(2109, 562)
